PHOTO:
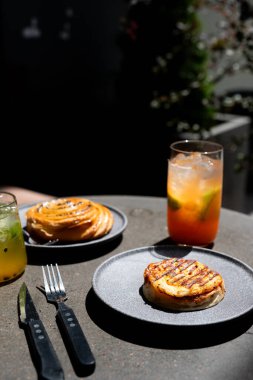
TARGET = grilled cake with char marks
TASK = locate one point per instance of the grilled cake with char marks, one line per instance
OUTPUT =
(68, 220)
(181, 284)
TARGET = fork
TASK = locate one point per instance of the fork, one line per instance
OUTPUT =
(55, 293)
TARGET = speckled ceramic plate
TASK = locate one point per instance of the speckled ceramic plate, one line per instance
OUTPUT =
(120, 223)
(118, 281)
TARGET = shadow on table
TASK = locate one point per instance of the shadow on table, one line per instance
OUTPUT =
(160, 336)
(56, 374)
(63, 255)
(169, 241)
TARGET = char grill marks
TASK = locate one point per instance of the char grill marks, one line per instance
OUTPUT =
(183, 272)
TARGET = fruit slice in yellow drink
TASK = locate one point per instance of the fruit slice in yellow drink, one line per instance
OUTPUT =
(12, 248)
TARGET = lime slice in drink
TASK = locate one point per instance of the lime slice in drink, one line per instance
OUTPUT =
(10, 231)
(207, 200)
(15, 229)
(173, 203)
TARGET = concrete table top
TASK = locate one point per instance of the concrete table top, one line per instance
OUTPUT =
(125, 348)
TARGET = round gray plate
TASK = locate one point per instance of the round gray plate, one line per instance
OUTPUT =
(118, 281)
(120, 223)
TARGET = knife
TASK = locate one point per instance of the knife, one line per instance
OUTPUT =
(49, 365)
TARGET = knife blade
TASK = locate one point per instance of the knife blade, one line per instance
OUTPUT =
(49, 364)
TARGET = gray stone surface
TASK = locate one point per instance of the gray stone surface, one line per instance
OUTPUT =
(126, 349)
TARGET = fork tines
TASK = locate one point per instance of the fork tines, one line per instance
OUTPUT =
(55, 285)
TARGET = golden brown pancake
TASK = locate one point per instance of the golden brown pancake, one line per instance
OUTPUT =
(181, 284)
(68, 219)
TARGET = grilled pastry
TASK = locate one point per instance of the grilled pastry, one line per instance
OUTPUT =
(68, 219)
(181, 284)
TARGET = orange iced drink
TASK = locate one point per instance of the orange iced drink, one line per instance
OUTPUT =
(194, 190)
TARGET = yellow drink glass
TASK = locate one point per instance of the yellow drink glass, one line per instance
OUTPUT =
(194, 190)
(13, 258)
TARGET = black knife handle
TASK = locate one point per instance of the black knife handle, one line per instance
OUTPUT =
(72, 330)
(50, 367)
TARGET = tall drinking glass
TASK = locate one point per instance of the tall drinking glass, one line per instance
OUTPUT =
(194, 189)
(13, 257)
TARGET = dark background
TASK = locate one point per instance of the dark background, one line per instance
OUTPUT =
(61, 124)
(63, 129)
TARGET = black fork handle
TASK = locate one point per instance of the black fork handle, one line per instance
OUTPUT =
(76, 339)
